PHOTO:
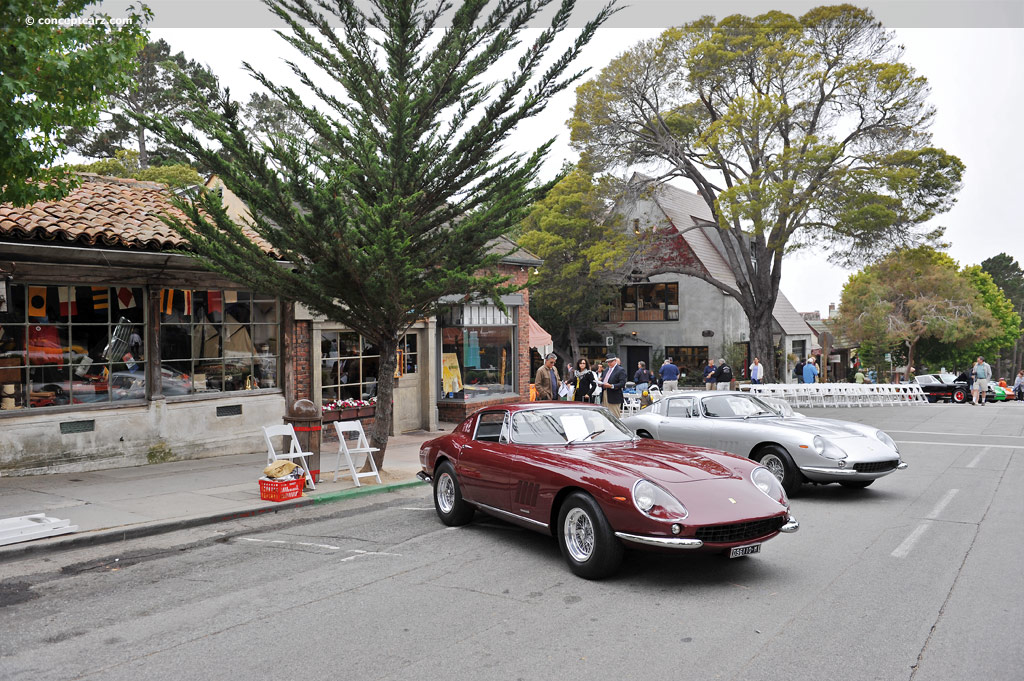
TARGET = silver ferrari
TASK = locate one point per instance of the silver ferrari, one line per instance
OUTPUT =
(797, 449)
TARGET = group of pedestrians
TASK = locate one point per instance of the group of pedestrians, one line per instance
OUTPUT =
(979, 376)
(806, 371)
(600, 385)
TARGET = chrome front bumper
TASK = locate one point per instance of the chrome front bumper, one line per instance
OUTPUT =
(664, 542)
(791, 526)
(424, 476)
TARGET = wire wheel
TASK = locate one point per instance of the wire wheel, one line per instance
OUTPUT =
(579, 535)
(775, 465)
(446, 493)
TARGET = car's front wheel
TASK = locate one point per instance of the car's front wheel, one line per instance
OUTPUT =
(959, 396)
(778, 461)
(451, 507)
(586, 539)
(644, 434)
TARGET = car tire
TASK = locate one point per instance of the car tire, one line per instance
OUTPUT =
(586, 539)
(451, 508)
(778, 461)
(959, 396)
(856, 484)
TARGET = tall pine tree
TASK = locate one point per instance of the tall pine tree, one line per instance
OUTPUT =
(387, 200)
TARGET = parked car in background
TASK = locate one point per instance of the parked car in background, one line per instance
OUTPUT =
(576, 472)
(944, 388)
(796, 449)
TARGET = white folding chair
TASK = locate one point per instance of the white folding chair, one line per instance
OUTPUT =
(291, 453)
(630, 404)
(342, 428)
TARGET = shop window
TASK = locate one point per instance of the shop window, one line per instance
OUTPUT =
(477, 361)
(71, 345)
(648, 303)
(217, 341)
(691, 360)
(349, 366)
(408, 356)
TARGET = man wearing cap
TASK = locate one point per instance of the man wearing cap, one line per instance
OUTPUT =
(546, 380)
(612, 380)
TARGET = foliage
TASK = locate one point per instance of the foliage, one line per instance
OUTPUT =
(582, 258)
(388, 199)
(157, 88)
(52, 77)
(796, 131)
(269, 117)
(910, 295)
(126, 164)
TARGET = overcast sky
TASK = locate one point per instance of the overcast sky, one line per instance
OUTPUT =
(970, 52)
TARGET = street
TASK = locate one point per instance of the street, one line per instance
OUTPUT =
(917, 577)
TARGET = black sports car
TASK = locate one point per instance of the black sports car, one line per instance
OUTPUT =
(945, 387)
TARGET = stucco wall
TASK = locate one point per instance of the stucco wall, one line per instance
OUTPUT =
(135, 435)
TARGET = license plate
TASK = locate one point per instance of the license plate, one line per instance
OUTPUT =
(738, 551)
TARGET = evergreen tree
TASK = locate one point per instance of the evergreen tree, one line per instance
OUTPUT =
(157, 88)
(388, 203)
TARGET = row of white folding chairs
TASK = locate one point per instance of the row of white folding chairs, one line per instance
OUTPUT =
(843, 394)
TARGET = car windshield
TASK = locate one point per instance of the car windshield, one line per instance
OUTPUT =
(563, 426)
(780, 406)
(735, 406)
(947, 378)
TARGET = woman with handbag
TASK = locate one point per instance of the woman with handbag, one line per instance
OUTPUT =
(584, 381)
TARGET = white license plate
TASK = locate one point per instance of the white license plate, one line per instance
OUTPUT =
(738, 551)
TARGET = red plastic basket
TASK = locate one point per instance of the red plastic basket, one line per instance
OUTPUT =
(281, 490)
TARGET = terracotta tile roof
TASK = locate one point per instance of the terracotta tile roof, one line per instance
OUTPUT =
(103, 211)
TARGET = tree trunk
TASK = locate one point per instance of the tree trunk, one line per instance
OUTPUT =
(140, 134)
(385, 413)
(762, 346)
(574, 345)
(910, 359)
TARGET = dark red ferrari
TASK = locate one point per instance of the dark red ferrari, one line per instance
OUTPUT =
(575, 471)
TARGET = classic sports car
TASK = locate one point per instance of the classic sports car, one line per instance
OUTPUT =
(574, 471)
(795, 449)
(950, 388)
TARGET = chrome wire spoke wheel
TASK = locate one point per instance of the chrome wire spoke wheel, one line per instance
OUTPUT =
(446, 493)
(579, 535)
(775, 465)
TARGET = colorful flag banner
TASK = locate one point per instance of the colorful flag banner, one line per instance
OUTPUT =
(214, 301)
(68, 301)
(230, 297)
(167, 300)
(100, 298)
(188, 302)
(126, 299)
(36, 301)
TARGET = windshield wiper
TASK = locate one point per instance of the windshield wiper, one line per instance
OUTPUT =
(585, 437)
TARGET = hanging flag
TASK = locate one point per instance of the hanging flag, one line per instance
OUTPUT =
(167, 300)
(230, 297)
(68, 302)
(100, 298)
(126, 299)
(36, 301)
(188, 302)
(215, 303)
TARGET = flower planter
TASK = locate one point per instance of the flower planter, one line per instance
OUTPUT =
(367, 412)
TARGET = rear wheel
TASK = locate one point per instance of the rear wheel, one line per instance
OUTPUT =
(959, 396)
(855, 484)
(778, 461)
(586, 539)
(451, 507)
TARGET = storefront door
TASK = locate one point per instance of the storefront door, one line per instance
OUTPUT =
(409, 389)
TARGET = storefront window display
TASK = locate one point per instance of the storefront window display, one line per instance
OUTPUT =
(477, 361)
(62, 345)
(349, 366)
(218, 341)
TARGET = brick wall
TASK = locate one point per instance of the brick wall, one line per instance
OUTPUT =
(302, 371)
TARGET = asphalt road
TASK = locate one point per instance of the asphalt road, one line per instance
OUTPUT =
(917, 577)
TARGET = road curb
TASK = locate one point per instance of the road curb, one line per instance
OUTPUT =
(109, 536)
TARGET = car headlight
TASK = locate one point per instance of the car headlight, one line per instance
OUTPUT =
(654, 502)
(765, 481)
(884, 437)
(829, 450)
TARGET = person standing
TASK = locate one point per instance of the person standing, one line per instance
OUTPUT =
(585, 382)
(612, 382)
(1018, 386)
(810, 371)
(669, 375)
(798, 372)
(546, 380)
(709, 375)
(642, 377)
(982, 372)
(723, 375)
(756, 372)
(858, 377)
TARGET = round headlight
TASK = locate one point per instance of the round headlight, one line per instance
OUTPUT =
(819, 444)
(656, 503)
(884, 437)
(765, 481)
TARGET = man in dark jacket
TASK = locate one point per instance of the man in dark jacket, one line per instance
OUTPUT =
(723, 375)
(612, 380)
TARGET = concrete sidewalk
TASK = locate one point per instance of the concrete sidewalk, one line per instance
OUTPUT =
(125, 503)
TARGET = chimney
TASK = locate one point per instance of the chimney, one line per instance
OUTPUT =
(831, 310)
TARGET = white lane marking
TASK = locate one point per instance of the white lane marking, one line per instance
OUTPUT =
(409, 508)
(360, 554)
(943, 503)
(930, 432)
(977, 459)
(300, 543)
(903, 549)
(957, 444)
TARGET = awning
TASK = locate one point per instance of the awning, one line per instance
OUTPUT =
(539, 338)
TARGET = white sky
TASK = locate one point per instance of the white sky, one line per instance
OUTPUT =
(977, 81)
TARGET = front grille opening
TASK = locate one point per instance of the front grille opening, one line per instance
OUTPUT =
(723, 534)
(875, 467)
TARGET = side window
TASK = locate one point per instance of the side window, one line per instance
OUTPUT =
(490, 427)
(681, 408)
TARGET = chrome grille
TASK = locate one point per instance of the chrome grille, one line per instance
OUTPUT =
(875, 467)
(722, 534)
